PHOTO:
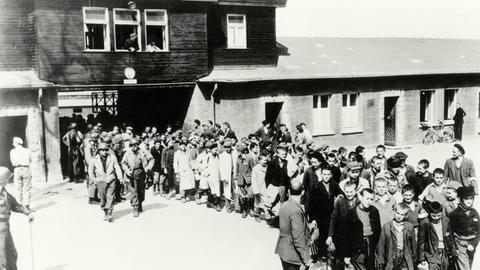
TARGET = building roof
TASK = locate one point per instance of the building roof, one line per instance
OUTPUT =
(21, 79)
(323, 58)
(264, 3)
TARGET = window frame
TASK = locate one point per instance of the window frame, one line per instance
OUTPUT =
(318, 110)
(454, 102)
(106, 22)
(139, 28)
(243, 46)
(166, 24)
(358, 112)
(429, 113)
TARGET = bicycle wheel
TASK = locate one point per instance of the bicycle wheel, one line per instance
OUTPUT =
(448, 135)
(428, 139)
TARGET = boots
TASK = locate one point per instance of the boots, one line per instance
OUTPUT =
(244, 207)
(140, 208)
(251, 207)
(228, 206)
(217, 204)
(135, 211)
(105, 217)
(110, 215)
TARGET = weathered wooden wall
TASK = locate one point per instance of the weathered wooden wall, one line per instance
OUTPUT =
(63, 59)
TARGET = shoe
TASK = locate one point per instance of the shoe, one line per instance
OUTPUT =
(110, 216)
(258, 219)
(244, 214)
(140, 208)
(105, 217)
(251, 213)
(92, 201)
(135, 211)
(218, 208)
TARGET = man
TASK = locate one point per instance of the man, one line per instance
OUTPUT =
(421, 179)
(243, 181)
(227, 131)
(376, 167)
(264, 133)
(307, 134)
(363, 232)
(331, 164)
(136, 163)
(158, 176)
(90, 152)
(292, 244)
(131, 44)
(183, 169)
(259, 188)
(458, 122)
(277, 179)
(395, 170)
(167, 168)
(73, 140)
(459, 168)
(213, 177)
(285, 136)
(104, 170)
(22, 179)
(226, 173)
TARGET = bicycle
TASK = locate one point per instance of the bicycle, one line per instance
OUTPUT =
(437, 132)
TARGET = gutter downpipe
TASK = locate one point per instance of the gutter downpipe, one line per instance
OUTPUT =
(212, 98)
(43, 139)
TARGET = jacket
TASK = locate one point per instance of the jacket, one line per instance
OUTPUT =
(292, 244)
(276, 175)
(337, 228)
(244, 170)
(387, 246)
(467, 171)
(320, 205)
(428, 241)
(140, 160)
(310, 178)
(355, 230)
(167, 158)
(466, 225)
(110, 173)
(258, 180)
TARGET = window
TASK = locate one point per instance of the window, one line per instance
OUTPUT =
(236, 31)
(350, 111)
(450, 99)
(426, 106)
(321, 114)
(127, 22)
(156, 29)
(96, 29)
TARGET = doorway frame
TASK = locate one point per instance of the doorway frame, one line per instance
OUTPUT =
(395, 123)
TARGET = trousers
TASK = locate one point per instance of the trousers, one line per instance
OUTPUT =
(8, 252)
(137, 187)
(106, 192)
(22, 180)
(442, 260)
(458, 130)
(289, 266)
(366, 260)
(465, 257)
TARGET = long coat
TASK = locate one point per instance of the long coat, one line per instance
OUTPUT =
(292, 244)
(182, 166)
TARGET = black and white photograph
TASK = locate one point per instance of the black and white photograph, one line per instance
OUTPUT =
(239, 134)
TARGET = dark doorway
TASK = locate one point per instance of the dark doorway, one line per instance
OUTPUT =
(11, 127)
(389, 118)
(154, 107)
(273, 113)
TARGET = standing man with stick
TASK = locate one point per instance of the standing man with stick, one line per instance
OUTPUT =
(8, 253)
(22, 179)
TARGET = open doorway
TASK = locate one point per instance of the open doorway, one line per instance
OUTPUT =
(390, 115)
(273, 113)
(10, 127)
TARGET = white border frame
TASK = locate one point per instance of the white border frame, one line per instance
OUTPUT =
(107, 29)
(139, 28)
(167, 33)
(246, 32)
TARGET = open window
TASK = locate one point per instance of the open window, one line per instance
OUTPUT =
(127, 24)
(450, 99)
(426, 106)
(321, 115)
(236, 31)
(156, 30)
(96, 29)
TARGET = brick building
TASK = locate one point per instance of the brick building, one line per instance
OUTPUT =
(349, 91)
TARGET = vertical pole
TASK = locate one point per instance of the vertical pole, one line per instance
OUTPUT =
(44, 133)
(212, 98)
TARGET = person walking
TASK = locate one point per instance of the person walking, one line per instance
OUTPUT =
(136, 164)
(22, 179)
(292, 243)
(459, 168)
(90, 152)
(8, 204)
(182, 167)
(73, 140)
(104, 170)
(458, 122)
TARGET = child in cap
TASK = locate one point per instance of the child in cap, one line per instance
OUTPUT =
(397, 246)
(465, 227)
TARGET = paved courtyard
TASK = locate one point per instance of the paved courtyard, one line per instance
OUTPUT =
(69, 234)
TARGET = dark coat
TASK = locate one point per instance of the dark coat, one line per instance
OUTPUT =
(309, 180)
(276, 175)
(321, 203)
(355, 230)
(428, 241)
(466, 225)
(419, 183)
(338, 227)
(459, 115)
(292, 244)
(387, 246)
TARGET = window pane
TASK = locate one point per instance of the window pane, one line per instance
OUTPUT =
(156, 34)
(235, 19)
(122, 33)
(156, 16)
(126, 16)
(344, 100)
(94, 37)
(353, 100)
(315, 101)
(95, 14)
(324, 101)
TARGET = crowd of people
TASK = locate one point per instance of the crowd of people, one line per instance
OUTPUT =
(332, 206)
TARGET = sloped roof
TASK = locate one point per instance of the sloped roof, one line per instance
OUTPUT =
(318, 58)
(21, 79)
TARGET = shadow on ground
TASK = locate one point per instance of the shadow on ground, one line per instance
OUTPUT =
(146, 207)
(57, 267)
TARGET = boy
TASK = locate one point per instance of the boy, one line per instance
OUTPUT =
(436, 190)
(465, 226)
(337, 230)
(435, 242)
(397, 246)
(353, 175)
(421, 179)
(383, 202)
(376, 167)
(363, 231)
(452, 196)
(416, 211)
(393, 189)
